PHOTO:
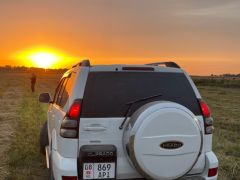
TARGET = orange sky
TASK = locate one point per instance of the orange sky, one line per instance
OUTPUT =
(202, 36)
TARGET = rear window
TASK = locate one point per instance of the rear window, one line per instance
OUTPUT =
(107, 93)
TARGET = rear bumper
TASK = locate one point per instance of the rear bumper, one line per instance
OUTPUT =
(211, 162)
(68, 167)
(63, 166)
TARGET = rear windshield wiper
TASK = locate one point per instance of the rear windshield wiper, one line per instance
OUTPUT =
(130, 104)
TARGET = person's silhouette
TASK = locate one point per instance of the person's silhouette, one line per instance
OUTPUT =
(33, 82)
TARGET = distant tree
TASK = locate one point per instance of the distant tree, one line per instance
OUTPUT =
(9, 68)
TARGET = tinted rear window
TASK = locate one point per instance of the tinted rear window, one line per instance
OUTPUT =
(106, 93)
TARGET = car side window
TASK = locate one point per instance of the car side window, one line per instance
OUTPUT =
(63, 95)
(57, 91)
(67, 90)
(61, 90)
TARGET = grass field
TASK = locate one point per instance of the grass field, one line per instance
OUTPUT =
(224, 104)
(21, 117)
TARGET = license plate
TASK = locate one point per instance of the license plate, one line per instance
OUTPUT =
(98, 170)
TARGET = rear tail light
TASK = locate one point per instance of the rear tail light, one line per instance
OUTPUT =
(70, 125)
(68, 133)
(75, 110)
(212, 172)
(205, 110)
(69, 177)
(208, 121)
(209, 129)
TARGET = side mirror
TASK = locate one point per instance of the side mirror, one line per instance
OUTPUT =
(44, 98)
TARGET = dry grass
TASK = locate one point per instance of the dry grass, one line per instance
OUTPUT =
(225, 106)
(21, 117)
(9, 99)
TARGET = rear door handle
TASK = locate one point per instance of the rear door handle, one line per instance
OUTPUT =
(94, 128)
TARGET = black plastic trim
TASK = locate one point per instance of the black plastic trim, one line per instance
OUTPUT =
(167, 64)
(138, 68)
(85, 63)
(96, 154)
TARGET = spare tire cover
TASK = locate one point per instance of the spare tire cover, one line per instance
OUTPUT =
(163, 140)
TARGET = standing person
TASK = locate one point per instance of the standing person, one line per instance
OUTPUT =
(33, 82)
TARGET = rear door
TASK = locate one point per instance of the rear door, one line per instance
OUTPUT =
(57, 111)
(104, 107)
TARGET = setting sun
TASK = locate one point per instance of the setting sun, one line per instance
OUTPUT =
(43, 59)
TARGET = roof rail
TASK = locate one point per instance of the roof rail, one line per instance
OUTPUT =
(167, 64)
(85, 63)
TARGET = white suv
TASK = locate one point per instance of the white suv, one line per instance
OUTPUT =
(128, 122)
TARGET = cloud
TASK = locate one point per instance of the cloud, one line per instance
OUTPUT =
(218, 9)
(187, 29)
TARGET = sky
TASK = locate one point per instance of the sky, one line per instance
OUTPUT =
(202, 36)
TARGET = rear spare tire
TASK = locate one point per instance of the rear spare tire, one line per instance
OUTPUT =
(163, 140)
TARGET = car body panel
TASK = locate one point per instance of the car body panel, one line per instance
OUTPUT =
(94, 131)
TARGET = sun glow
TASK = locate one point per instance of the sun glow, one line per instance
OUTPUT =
(43, 59)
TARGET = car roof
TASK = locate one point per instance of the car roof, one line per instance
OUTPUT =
(132, 68)
(168, 66)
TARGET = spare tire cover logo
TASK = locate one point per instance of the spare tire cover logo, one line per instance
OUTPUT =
(171, 145)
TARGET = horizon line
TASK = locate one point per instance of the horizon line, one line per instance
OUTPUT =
(40, 68)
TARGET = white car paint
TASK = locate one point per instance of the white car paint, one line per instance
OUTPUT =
(64, 152)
